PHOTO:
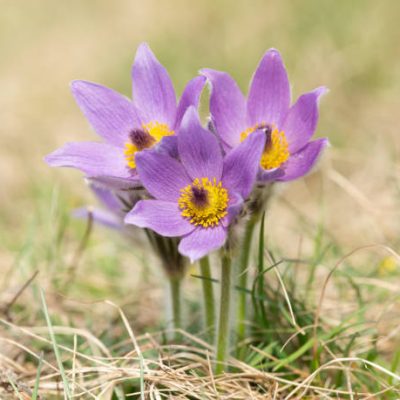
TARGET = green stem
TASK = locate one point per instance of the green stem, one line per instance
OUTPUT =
(223, 326)
(175, 287)
(260, 269)
(208, 294)
(243, 278)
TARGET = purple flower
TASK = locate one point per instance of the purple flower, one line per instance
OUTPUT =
(114, 207)
(127, 127)
(288, 152)
(197, 197)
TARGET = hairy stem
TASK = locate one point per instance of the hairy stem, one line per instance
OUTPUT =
(243, 278)
(175, 288)
(208, 295)
(223, 326)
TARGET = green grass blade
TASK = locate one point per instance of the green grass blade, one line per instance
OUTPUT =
(18, 394)
(258, 357)
(308, 345)
(37, 380)
(67, 393)
(394, 366)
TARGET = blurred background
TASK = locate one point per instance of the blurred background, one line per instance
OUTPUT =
(352, 47)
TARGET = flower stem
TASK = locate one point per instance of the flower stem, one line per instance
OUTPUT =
(208, 294)
(175, 288)
(243, 278)
(223, 326)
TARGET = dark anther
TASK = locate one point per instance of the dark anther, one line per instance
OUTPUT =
(199, 196)
(141, 139)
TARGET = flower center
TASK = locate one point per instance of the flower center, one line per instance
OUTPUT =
(276, 150)
(144, 138)
(204, 202)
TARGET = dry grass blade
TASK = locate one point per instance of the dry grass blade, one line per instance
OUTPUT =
(6, 309)
(325, 284)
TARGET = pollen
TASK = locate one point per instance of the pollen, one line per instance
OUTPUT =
(129, 153)
(144, 138)
(276, 150)
(204, 202)
(157, 130)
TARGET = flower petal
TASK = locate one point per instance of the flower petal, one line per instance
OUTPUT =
(116, 183)
(163, 217)
(242, 163)
(202, 241)
(111, 115)
(300, 163)
(190, 97)
(268, 175)
(227, 106)
(198, 148)
(101, 217)
(302, 119)
(92, 158)
(153, 92)
(234, 207)
(161, 175)
(107, 198)
(168, 145)
(269, 96)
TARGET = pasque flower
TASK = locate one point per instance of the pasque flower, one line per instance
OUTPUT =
(199, 195)
(113, 210)
(288, 152)
(126, 127)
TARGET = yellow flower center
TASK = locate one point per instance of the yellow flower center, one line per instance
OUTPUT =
(276, 150)
(140, 139)
(204, 202)
(157, 130)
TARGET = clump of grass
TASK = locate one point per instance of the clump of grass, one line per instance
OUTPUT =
(318, 330)
(148, 367)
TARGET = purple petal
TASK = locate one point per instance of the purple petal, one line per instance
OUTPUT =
(227, 106)
(234, 206)
(107, 198)
(266, 175)
(168, 145)
(115, 183)
(269, 96)
(94, 159)
(302, 118)
(161, 175)
(202, 241)
(101, 217)
(242, 163)
(190, 97)
(111, 115)
(128, 198)
(162, 217)
(198, 148)
(300, 163)
(153, 92)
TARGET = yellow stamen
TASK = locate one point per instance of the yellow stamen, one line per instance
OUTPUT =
(247, 132)
(156, 130)
(204, 202)
(129, 153)
(276, 150)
